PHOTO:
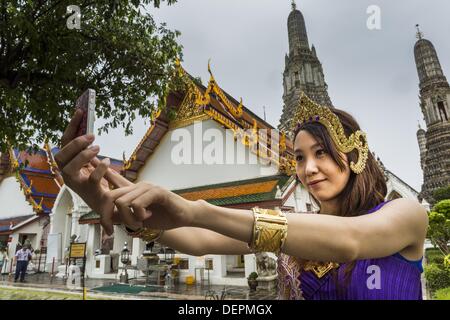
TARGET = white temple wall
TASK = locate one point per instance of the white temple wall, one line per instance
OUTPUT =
(13, 199)
(161, 168)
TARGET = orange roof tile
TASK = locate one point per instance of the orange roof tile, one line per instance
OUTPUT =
(43, 184)
(35, 161)
(233, 191)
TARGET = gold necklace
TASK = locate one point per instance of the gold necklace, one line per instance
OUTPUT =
(320, 268)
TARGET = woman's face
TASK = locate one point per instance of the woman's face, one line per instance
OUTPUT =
(317, 170)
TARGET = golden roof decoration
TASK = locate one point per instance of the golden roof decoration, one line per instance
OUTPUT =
(38, 207)
(28, 190)
(283, 142)
(237, 112)
(50, 159)
(14, 161)
(155, 114)
(191, 108)
(127, 163)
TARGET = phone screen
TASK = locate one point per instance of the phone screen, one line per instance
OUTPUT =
(86, 102)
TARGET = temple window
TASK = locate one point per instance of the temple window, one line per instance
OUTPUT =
(442, 111)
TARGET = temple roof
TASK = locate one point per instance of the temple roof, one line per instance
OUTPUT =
(414, 191)
(36, 179)
(242, 193)
(91, 217)
(39, 177)
(198, 103)
(8, 223)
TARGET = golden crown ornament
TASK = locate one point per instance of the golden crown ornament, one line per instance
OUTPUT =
(309, 111)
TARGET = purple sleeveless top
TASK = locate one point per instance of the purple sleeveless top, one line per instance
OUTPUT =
(388, 278)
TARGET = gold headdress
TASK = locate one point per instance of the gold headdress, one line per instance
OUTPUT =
(308, 110)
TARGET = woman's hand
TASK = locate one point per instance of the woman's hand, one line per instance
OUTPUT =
(85, 174)
(147, 205)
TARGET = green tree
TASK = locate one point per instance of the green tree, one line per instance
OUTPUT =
(439, 226)
(45, 64)
(442, 193)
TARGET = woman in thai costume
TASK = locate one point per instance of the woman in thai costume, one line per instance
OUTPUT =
(358, 246)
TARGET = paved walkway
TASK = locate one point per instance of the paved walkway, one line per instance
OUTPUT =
(109, 289)
(42, 286)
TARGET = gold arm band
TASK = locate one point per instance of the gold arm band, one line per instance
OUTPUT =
(269, 230)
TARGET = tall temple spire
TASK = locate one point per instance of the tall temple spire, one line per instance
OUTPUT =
(428, 66)
(434, 143)
(298, 37)
(419, 34)
(303, 71)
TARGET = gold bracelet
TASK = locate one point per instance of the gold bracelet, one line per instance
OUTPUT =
(269, 230)
(146, 234)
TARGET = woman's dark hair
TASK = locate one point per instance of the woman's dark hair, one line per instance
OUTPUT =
(363, 191)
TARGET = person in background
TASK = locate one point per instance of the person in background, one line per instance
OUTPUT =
(23, 256)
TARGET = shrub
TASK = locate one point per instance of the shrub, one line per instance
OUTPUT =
(437, 277)
(439, 225)
(442, 194)
(442, 294)
(434, 256)
(253, 276)
(447, 262)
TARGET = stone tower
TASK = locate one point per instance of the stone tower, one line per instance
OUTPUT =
(303, 71)
(421, 138)
(434, 143)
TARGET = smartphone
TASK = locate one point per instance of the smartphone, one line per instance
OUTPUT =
(86, 102)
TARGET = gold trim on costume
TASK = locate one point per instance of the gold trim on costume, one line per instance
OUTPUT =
(320, 268)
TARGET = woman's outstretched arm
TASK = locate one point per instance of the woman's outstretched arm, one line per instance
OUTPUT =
(200, 242)
(397, 225)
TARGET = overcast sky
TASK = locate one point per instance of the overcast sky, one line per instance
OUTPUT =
(370, 74)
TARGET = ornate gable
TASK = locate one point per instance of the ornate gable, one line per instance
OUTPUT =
(37, 181)
(198, 103)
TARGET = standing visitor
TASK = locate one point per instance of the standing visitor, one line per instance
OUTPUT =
(23, 256)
